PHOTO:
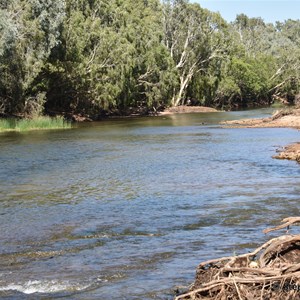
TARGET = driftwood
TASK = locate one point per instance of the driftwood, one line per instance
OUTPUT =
(287, 222)
(272, 271)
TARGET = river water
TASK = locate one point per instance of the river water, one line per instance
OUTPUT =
(127, 208)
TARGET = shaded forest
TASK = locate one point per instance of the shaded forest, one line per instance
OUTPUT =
(101, 57)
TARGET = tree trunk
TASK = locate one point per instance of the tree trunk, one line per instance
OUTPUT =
(183, 87)
(184, 82)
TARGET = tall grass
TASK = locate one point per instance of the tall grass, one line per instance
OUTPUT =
(7, 124)
(37, 123)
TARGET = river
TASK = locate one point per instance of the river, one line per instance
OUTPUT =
(127, 208)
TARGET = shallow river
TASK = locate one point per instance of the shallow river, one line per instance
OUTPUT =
(126, 209)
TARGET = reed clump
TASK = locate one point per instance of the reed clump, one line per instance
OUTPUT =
(37, 123)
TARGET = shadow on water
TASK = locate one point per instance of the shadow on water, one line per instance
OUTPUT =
(130, 207)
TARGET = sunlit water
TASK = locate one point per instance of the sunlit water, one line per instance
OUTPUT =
(127, 209)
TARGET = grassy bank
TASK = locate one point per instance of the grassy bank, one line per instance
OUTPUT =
(37, 123)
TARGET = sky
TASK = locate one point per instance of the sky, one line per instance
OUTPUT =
(269, 10)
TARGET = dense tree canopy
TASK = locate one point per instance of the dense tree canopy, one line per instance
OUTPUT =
(124, 55)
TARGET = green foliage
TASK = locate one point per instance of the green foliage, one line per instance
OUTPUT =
(37, 123)
(273, 52)
(112, 57)
(89, 56)
(7, 124)
(29, 30)
(196, 40)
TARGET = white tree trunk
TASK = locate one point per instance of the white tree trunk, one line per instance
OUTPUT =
(184, 83)
(183, 86)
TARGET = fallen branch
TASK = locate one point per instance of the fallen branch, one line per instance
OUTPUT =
(287, 222)
(272, 271)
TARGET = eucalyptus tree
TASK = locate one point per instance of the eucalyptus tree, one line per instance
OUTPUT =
(274, 53)
(194, 37)
(86, 56)
(111, 57)
(150, 79)
(28, 32)
(247, 71)
(85, 70)
(154, 68)
(286, 79)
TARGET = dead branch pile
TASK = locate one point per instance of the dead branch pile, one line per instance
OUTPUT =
(271, 271)
(281, 113)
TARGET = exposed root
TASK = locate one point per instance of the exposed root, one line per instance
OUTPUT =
(272, 271)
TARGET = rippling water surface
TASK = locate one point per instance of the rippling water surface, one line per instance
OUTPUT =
(126, 209)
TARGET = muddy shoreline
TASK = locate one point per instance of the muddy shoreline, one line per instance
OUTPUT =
(289, 118)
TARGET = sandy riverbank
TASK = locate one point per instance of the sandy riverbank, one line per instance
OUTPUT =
(283, 118)
(187, 109)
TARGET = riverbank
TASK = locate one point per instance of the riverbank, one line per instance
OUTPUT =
(183, 109)
(282, 118)
(289, 118)
(133, 113)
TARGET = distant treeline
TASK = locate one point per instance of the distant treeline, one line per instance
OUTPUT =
(121, 56)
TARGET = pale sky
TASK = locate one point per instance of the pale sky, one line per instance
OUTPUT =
(268, 10)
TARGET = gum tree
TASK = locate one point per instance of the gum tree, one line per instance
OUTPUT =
(194, 38)
(29, 30)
